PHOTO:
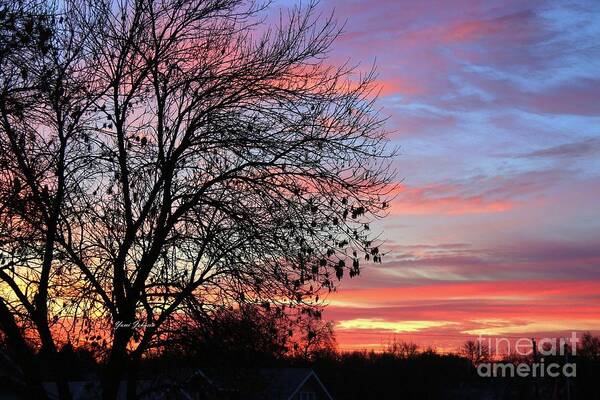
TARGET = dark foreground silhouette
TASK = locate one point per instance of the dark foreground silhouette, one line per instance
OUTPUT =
(240, 373)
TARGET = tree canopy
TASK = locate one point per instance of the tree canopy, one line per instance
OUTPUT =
(159, 155)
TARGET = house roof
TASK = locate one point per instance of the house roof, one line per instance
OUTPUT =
(292, 381)
(269, 383)
(252, 384)
(283, 383)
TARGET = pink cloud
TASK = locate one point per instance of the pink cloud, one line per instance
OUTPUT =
(507, 290)
(475, 195)
(397, 86)
(516, 26)
(445, 199)
(416, 201)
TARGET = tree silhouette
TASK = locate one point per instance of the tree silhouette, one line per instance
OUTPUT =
(402, 349)
(590, 346)
(476, 351)
(248, 336)
(157, 155)
(314, 336)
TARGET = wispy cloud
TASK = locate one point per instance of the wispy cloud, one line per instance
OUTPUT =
(580, 148)
(474, 195)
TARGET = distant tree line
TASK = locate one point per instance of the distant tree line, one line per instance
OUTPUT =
(255, 337)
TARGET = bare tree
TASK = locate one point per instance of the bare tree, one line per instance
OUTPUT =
(248, 335)
(156, 154)
(314, 335)
(590, 346)
(402, 349)
(475, 351)
(38, 91)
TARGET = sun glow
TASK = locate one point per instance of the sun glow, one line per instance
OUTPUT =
(392, 326)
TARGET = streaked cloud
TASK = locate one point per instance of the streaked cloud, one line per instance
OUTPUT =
(580, 148)
(393, 326)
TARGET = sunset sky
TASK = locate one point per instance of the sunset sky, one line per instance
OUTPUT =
(496, 107)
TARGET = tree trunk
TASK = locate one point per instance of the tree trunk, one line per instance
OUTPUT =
(132, 376)
(24, 355)
(62, 383)
(114, 370)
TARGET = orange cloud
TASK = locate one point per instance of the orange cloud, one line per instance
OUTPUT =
(447, 314)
